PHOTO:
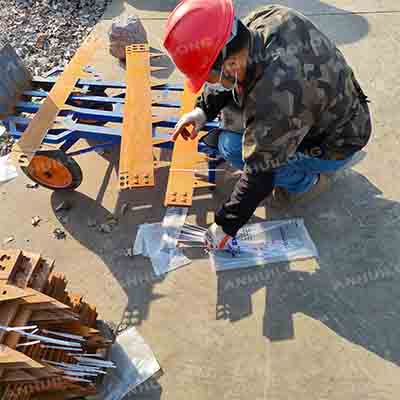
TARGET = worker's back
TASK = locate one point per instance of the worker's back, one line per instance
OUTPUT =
(302, 63)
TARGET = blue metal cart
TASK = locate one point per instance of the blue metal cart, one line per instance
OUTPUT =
(89, 110)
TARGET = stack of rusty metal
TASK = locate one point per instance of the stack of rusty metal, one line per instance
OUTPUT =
(49, 346)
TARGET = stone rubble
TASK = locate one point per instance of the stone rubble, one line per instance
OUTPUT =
(126, 30)
(46, 33)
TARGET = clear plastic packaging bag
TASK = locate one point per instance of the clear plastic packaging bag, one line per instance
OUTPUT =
(267, 242)
(159, 242)
(7, 170)
(135, 363)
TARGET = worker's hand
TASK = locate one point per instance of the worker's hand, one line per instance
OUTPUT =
(217, 239)
(196, 118)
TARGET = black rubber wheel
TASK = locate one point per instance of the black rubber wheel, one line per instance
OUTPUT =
(54, 170)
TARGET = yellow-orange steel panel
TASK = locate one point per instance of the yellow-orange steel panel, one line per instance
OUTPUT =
(136, 168)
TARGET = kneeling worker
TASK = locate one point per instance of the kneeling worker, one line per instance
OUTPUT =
(290, 106)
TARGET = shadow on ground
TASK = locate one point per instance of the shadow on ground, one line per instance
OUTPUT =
(135, 275)
(354, 292)
(338, 24)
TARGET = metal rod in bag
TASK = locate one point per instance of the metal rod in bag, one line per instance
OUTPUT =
(192, 233)
(195, 227)
(42, 338)
(194, 238)
(190, 241)
(60, 348)
(183, 245)
(27, 344)
(87, 355)
(71, 378)
(65, 335)
(76, 373)
(93, 362)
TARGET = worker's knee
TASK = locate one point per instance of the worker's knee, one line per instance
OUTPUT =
(230, 148)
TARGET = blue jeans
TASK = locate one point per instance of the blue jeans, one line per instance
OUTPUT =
(297, 175)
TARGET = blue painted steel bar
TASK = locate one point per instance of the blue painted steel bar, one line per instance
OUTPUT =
(100, 99)
(166, 104)
(105, 116)
(50, 138)
(72, 139)
(168, 86)
(171, 122)
(118, 108)
(84, 131)
(108, 84)
(109, 136)
(95, 99)
(17, 126)
(78, 112)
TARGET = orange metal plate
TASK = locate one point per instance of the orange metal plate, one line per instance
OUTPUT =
(136, 168)
(30, 262)
(10, 358)
(21, 319)
(41, 274)
(11, 292)
(43, 120)
(184, 157)
(9, 261)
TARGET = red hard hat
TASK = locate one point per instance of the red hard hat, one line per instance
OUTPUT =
(196, 32)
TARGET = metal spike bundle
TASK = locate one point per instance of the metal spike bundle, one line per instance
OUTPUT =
(48, 340)
(192, 236)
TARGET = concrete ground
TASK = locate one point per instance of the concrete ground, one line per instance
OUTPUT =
(281, 332)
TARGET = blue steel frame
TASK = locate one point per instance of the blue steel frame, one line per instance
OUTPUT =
(70, 132)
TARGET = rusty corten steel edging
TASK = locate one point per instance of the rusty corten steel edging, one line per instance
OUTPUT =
(182, 180)
(43, 120)
(136, 165)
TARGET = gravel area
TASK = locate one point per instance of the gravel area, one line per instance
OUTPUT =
(46, 33)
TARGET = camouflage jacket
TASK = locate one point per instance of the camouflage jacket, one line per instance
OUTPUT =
(299, 93)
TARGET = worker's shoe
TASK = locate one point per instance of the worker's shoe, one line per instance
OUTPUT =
(282, 198)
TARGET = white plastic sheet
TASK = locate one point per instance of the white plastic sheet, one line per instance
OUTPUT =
(135, 363)
(7, 170)
(267, 242)
(159, 242)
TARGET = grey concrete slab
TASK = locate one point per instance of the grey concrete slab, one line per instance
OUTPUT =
(278, 332)
(317, 7)
(356, 25)
(348, 28)
(305, 6)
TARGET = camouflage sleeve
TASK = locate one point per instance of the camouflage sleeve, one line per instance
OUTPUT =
(212, 103)
(277, 118)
